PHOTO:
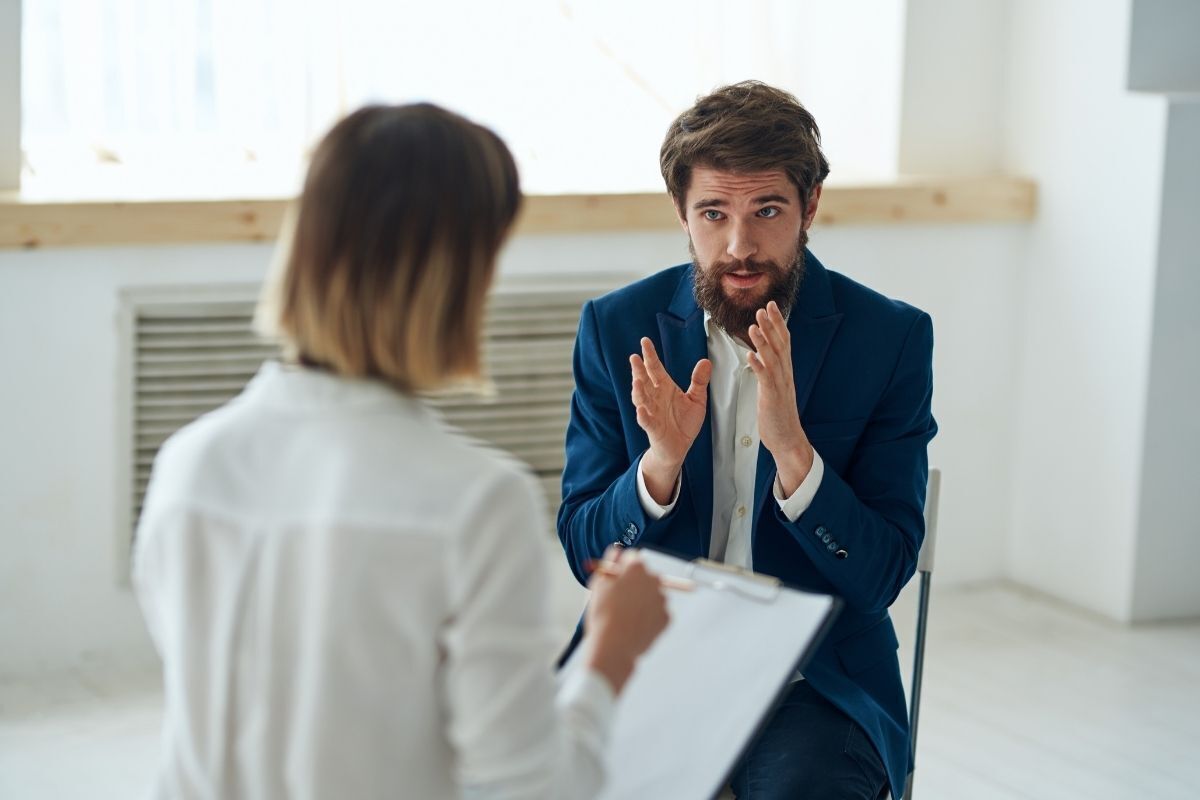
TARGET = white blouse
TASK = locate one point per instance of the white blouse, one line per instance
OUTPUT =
(350, 601)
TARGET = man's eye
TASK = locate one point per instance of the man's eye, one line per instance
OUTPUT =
(712, 215)
(768, 212)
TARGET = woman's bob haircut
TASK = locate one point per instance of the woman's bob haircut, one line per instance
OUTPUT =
(383, 266)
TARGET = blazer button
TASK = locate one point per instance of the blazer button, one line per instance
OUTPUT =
(820, 531)
(841, 554)
(631, 530)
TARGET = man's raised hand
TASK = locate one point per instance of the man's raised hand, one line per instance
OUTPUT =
(670, 417)
(779, 426)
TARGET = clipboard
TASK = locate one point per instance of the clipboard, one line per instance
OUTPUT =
(703, 690)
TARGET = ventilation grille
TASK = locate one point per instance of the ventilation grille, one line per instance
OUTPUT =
(191, 356)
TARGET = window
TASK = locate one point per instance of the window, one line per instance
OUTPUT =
(229, 94)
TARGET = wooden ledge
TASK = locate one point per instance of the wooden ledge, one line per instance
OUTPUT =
(28, 223)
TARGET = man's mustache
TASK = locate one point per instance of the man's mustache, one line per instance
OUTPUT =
(748, 265)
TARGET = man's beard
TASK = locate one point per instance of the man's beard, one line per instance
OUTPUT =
(736, 313)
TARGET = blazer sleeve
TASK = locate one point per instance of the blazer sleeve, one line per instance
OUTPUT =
(864, 528)
(600, 503)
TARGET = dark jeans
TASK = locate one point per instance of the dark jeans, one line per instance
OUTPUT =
(809, 749)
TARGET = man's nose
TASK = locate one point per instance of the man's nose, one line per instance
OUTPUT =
(741, 242)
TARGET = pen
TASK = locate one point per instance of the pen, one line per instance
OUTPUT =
(607, 568)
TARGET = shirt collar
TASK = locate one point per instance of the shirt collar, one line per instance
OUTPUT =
(294, 386)
(712, 329)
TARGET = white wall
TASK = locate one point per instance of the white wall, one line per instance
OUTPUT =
(59, 602)
(1168, 552)
(10, 92)
(1164, 56)
(859, 84)
(60, 605)
(952, 107)
(1097, 153)
(968, 278)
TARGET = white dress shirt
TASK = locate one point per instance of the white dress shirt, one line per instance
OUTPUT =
(351, 601)
(733, 406)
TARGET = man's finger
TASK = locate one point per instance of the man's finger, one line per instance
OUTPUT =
(767, 377)
(658, 372)
(770, 333)
(782, 335)
(701, 374)
(775, 313)
(645, 419)
(638, 393)
(759, 333)
(754, 360)
(762, 347)
(638, 368)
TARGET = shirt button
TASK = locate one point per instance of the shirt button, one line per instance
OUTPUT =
(746, 441)
(741, 512)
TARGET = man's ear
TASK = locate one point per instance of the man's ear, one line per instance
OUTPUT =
(810, 208)
(679, 212)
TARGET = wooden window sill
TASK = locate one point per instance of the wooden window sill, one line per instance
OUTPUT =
(35, 223)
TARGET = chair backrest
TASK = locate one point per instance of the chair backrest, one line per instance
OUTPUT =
(925, 559)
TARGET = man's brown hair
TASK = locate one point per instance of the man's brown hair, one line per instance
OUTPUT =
(744, 127)
(386, 265)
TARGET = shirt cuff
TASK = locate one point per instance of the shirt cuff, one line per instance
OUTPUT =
(588, 694)
(792, 507)
(649, 504)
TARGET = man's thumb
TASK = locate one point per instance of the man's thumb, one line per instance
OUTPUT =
(700, 377)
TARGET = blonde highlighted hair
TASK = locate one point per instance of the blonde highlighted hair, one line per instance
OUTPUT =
(384, 264)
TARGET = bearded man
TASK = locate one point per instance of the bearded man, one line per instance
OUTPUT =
(755, 408)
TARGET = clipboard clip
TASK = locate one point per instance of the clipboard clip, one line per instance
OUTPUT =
(732, 578)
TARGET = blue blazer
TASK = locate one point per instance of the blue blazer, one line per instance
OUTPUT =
(863, 371)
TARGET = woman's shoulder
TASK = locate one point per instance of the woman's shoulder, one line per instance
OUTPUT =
(390, 462)
(483, 463)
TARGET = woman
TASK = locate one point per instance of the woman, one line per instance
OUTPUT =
(349, 599)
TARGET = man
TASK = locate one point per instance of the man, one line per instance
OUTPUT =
(758, 409)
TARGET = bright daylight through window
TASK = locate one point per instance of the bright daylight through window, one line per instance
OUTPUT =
(223, 97)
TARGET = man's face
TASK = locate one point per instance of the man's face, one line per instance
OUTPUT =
(747, 232)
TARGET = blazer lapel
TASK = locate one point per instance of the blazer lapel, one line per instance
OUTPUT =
(812, 324)
(681, 329)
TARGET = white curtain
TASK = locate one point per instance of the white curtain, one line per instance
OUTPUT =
(581, 90)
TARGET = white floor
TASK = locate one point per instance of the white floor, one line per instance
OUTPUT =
(1024, 698)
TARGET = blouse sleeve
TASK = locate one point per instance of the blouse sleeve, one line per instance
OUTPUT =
(516, 733)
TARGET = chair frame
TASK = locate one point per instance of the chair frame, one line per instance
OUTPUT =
(925, 570)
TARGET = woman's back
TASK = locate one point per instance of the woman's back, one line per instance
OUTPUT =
(358, 598)
(349, 600)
